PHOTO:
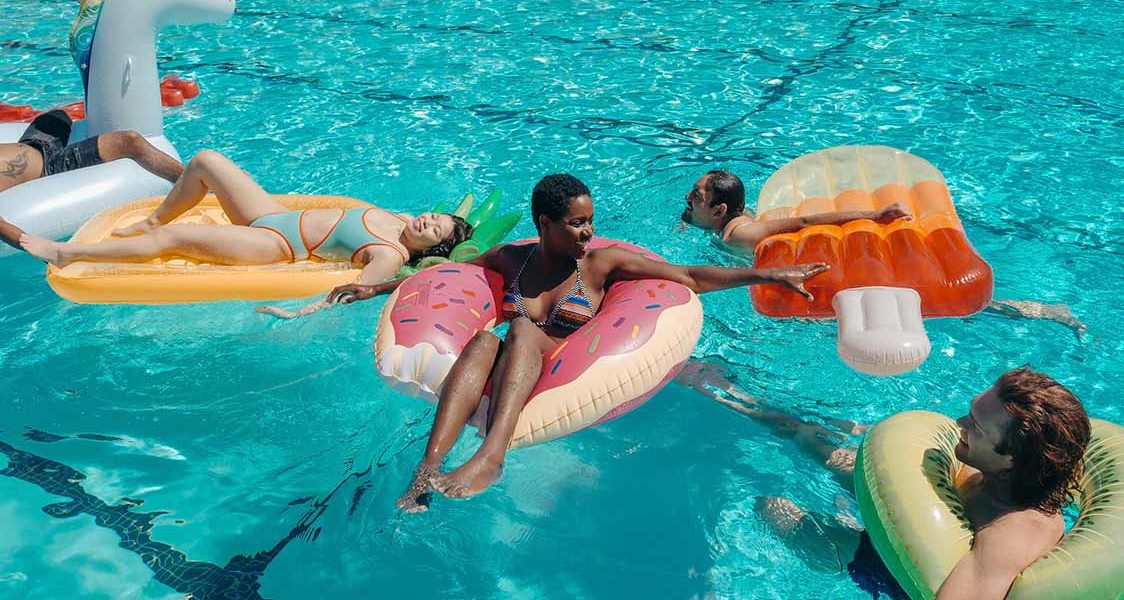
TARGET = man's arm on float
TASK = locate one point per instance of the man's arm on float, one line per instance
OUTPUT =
(999, 553)
(749, 235)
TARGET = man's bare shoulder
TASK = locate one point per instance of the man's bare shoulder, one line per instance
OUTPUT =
(1018, 538)
(741, 233)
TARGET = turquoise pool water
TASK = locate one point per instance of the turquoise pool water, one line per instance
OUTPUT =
(242, 455)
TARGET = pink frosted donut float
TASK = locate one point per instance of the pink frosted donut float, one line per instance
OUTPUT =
(640, 338)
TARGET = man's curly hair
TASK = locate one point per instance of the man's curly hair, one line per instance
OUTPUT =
(1046, 439)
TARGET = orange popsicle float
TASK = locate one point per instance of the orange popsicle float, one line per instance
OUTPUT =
(930, 253)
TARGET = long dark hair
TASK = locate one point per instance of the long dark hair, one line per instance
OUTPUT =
(461, 232)
(1046, 440)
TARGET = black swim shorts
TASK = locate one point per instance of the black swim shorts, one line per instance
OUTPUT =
(49, 134)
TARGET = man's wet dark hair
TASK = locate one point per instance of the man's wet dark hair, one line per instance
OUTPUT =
(552, 195)
(461, 232)
(1046, 440)
(724, 187)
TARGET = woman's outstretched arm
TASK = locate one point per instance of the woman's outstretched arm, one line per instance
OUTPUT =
(364, 289)
(622, 265)
(353, 292)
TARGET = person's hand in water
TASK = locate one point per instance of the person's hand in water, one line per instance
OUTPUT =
(351, 292)
(795, 276)
(304, 311)
(892, 213)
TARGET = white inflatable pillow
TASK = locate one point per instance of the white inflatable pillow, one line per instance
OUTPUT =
(880, 330)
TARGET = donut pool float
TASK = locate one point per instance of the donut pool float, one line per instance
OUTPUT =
(930, 254)
(637, 342)
(905, 476)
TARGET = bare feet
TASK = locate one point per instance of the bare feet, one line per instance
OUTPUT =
(892, 213)
(469, 479)
(780, 513)
(416, 497)
(42, 248)
(841, 461)
(138, 228)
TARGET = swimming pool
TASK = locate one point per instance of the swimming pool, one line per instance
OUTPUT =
(235, 451)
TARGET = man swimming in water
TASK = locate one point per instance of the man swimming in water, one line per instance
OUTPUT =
(44, 150)
(717, 203)
(1022, 444)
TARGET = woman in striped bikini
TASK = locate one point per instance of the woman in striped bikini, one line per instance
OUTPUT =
(264, 231)
(551, 289)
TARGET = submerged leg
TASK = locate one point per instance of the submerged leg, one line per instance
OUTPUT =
(825, 543)
(516, 374)
(463, 389)
(814, 439)
(1029, 309)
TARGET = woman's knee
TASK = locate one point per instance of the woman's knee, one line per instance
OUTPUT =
(205, 160)
(521, 328)
(164, 239)
(482, 341)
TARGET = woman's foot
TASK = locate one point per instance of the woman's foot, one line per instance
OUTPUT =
(138, 228)
(469, 479)
(416, 497)
(42, 248)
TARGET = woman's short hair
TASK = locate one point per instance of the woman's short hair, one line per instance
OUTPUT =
(552, 195)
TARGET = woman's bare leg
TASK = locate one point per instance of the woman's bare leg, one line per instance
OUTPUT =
(516, 374)
(217, 244)
(240, 196)
(459, 399)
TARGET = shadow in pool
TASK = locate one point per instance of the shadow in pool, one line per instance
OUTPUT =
(237, 580)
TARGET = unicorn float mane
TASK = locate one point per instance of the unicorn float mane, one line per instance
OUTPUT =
(82, 38)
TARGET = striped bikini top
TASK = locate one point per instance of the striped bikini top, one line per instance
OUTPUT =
(572, 310)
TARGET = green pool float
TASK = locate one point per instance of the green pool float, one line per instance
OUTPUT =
(488, 229)
(905, 477)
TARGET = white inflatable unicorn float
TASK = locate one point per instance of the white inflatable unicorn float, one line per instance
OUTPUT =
(114, 44)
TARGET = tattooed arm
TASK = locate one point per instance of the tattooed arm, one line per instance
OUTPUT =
(19, 163)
